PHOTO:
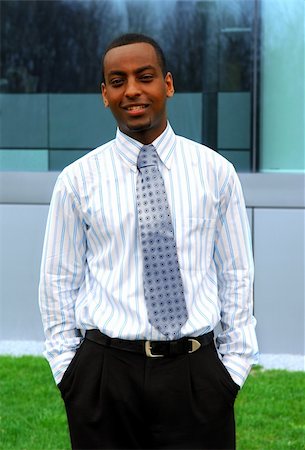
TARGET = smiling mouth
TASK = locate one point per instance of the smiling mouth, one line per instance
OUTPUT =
(136, 108)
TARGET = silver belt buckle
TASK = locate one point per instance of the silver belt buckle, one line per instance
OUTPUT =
(148, 351)
(195, 345)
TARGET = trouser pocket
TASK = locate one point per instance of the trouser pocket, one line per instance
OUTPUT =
(66, 379)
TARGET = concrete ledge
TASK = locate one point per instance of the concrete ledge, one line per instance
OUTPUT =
(274, 190)
(262, 190)
(27, 187)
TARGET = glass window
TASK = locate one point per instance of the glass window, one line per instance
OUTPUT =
(50, 74)
(282, 77)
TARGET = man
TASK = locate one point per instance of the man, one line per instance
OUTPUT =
(132, 351)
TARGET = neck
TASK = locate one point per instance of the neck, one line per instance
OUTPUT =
(144, 136)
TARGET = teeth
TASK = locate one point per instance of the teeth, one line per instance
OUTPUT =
(136, 108)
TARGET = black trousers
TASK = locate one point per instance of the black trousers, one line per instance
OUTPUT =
(121, 400)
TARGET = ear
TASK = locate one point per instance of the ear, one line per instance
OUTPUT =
(169, 84)
(104, 94)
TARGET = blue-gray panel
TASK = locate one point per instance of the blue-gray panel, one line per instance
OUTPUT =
(279, 283)
(24, 160)
(23, 121)
(240, 159)
(21, 239)
(79, 121)
(234, 120)
(185, 115)
(58, 159)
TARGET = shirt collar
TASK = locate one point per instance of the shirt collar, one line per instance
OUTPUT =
(128, 148)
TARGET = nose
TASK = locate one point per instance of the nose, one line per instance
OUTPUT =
(132, 88)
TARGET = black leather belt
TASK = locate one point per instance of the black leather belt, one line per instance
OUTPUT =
(152, 349)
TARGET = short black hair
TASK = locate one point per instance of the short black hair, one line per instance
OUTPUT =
(135, 38)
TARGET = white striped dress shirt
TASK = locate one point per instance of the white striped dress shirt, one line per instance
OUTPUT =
(91, 270)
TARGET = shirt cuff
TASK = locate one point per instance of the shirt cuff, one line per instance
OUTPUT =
(239, 367)
(59, 363)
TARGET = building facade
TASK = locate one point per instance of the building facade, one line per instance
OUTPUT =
(238, 67)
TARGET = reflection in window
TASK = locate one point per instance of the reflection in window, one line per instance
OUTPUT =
(208, 44)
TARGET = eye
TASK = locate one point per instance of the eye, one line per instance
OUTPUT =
(146, 77)
(116, 82)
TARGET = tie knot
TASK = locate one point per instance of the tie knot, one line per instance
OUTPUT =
(147, 157)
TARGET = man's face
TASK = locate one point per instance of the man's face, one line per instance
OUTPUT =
(136, 90)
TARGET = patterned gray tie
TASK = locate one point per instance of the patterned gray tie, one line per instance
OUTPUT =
(163, 288)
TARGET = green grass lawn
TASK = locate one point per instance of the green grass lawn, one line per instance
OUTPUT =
(270, 409)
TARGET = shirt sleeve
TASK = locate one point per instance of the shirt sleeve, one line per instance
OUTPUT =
(237, 342)
(62, 273)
